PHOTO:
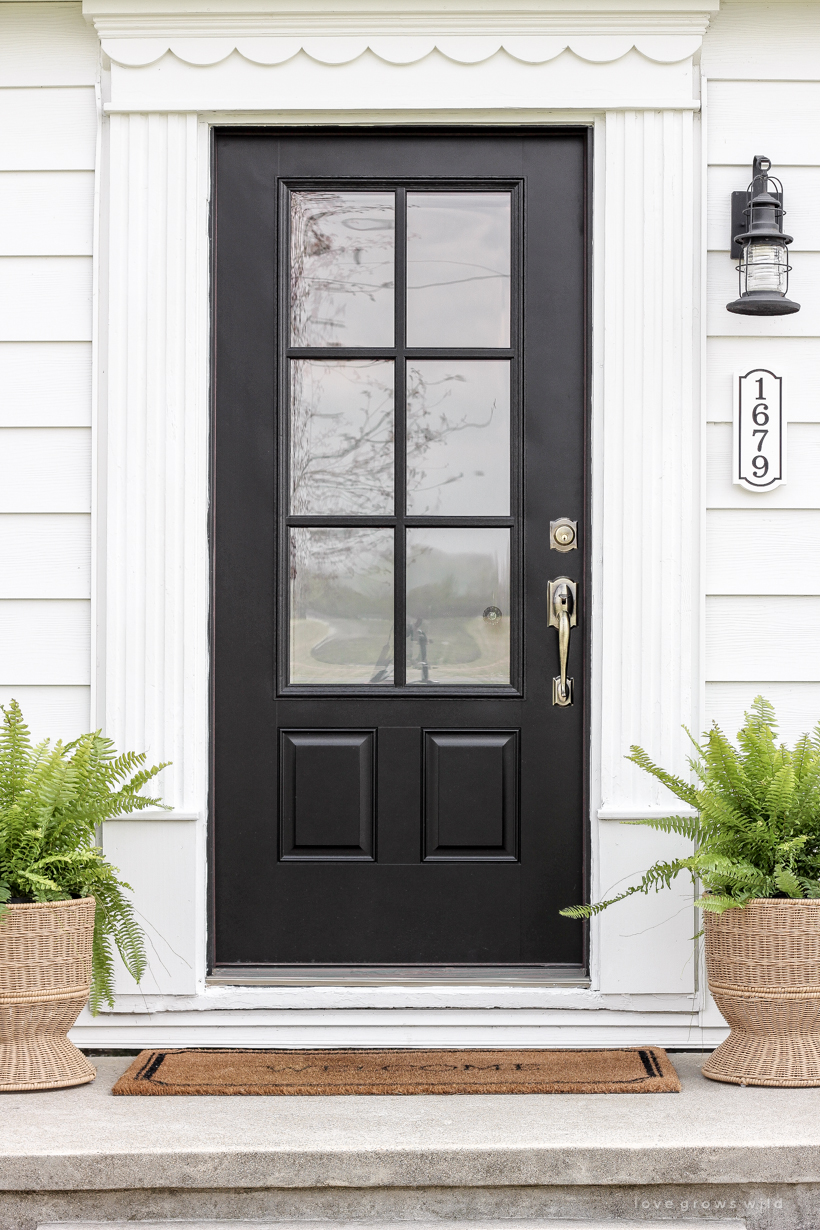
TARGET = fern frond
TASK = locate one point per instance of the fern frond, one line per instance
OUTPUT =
(683, 790)
(787, 882)
(53, 797)
(717, 903)
(659, 876)
(684, 826)
(757, 833)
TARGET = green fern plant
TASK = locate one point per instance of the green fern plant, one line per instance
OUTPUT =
(757, 831)
(52, 798)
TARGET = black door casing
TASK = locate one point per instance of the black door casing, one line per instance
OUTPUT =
(405, 829)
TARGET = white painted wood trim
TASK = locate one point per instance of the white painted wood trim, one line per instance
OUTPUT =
(172, 1029)
(291, 91)
(156, 498)
(648, 445)
(529, 49)
(646, 532)
(179, 19)
(152, 687)
(99, 468)
(151, 813)
(645, 813)
(595, 537)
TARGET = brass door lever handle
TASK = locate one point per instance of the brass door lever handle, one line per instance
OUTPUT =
(562, 597)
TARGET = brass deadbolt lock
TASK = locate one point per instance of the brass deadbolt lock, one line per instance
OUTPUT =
(563, 534)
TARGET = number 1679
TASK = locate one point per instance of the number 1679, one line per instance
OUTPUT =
(759, 452)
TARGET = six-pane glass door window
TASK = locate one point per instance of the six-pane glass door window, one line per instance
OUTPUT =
(399, 441)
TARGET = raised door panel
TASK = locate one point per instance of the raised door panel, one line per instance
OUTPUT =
(327, 794)
(471, 796)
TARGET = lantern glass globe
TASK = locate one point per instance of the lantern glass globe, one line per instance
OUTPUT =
(764, 266)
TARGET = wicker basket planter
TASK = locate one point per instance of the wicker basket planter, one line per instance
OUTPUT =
(45, 975)
(764, 973)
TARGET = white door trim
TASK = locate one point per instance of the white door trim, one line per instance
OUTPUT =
(153, 582)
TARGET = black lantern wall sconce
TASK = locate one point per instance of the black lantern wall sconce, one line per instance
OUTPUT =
(757, 225)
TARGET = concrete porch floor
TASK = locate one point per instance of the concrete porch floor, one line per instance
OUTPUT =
(713, 1152)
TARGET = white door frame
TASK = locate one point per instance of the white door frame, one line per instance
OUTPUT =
(167, 79)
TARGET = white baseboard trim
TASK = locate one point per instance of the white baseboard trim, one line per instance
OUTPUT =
(161, 1032)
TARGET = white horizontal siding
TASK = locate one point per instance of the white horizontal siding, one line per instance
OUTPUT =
(45, 555)
(763, 552)
(48, 66)
(804, 288)
(46, 44)
(51, 712)
(775, 118)
(797, 705)
(45, 298)
(802, 490)
(44, 642)
(762, 566)
(46, 213)
(45, 469)
(779, 42)
(45, 384)
(763, 638)
(48, 129)
(797, 359)
(801, 198)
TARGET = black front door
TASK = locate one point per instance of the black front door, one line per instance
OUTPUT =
(400, 407)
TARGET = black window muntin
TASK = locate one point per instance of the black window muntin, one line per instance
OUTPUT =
(400, 353)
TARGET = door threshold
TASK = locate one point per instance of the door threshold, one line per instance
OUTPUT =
(398, 975)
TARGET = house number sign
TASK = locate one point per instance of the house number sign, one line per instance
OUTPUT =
(759, 437)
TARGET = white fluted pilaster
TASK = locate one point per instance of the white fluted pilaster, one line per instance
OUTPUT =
(646, 529)
(648, 523)
(154, 647)
(152, 610)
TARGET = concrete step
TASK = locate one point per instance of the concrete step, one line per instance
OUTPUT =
(383, 1225)
(713, 1152)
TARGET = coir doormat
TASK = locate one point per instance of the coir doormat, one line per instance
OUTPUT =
(398, 1072)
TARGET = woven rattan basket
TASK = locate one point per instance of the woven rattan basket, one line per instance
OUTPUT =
(764, 972)
(45, 974)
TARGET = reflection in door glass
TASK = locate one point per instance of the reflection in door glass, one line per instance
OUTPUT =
(341, 436)
(458, 268)
(342, 268)
(458, 606)
(341, 605)
(458, 437)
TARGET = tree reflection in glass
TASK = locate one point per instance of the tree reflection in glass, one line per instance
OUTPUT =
(458, 437)
(341, 436)
(342, 268)
(458, 606)
(341, 605)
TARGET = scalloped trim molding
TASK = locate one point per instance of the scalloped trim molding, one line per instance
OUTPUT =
(536, 49)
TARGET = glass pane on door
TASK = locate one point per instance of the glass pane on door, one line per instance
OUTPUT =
(458, 268)
(375, 469)
(341, 436)
(458, 437)
(341, 605)
(458, 606)
(342, 262)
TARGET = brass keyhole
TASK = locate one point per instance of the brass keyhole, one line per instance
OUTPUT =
(563, 534)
